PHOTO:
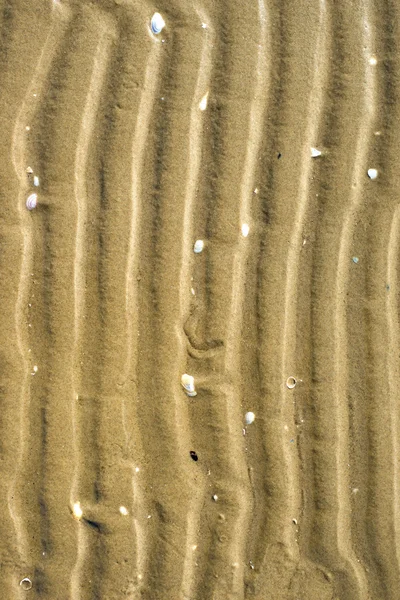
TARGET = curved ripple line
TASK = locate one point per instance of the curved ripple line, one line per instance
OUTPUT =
(340, 316)
(194, 158)
(393, 362)
(100, 63)
(292, 265)
(18, 151)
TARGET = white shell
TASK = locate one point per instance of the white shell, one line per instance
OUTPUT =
(291, 383)
(245, 230)
(203, 102)
(372, 173)
(198, 246)
(26, 583)
(31, 201)
(35, 180)
(187, 382)
(249, 418)
(157, 23)
(315, 152)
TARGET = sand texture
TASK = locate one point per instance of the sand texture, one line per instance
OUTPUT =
(115, 483)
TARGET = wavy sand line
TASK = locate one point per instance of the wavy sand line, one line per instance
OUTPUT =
(226, 278)
(340, 317)
(143, 123)
(292, 281)
(81, 586)
(29, 550)
(194, 157)
(175, 162)
(393, 365)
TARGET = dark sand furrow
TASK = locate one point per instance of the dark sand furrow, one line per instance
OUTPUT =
(378, 521)
(340, 200)
(169, 185)
(25, 496)
(93, 50)
(284, 208)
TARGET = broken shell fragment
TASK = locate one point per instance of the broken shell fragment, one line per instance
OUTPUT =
(315, 152)
(187, 382)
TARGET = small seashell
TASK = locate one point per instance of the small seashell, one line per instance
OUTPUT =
(372, 61)
(77, 511)
(372, 173)
(198, 246)
(203, 102)
(31, 202)
(26, 583)
(35, 180)
(29, 170)
(249, 418)
(123, 510)
(291, 383)
(157, 23)
(355, 259)
(315, 152)
(187, 382)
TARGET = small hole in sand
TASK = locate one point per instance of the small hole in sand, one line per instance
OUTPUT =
(194, 455)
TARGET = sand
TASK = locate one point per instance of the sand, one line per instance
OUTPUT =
(204, 206)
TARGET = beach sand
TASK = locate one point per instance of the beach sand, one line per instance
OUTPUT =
(250, 128)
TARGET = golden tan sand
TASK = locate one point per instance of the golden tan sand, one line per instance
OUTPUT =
(199, 250)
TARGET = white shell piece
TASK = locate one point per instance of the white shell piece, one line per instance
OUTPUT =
(35, 180)
(372, 173)
(245, 230)
(31, 202)
(315, 152)
(77, 511)
(157, 23)
(187, 382)
(198, 246)
(203, 102)
(291, 383)
(249, 418)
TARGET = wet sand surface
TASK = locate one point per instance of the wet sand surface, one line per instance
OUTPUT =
(251, 126)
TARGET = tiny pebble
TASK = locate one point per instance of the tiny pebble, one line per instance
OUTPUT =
(372, 173)
(355, 259)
